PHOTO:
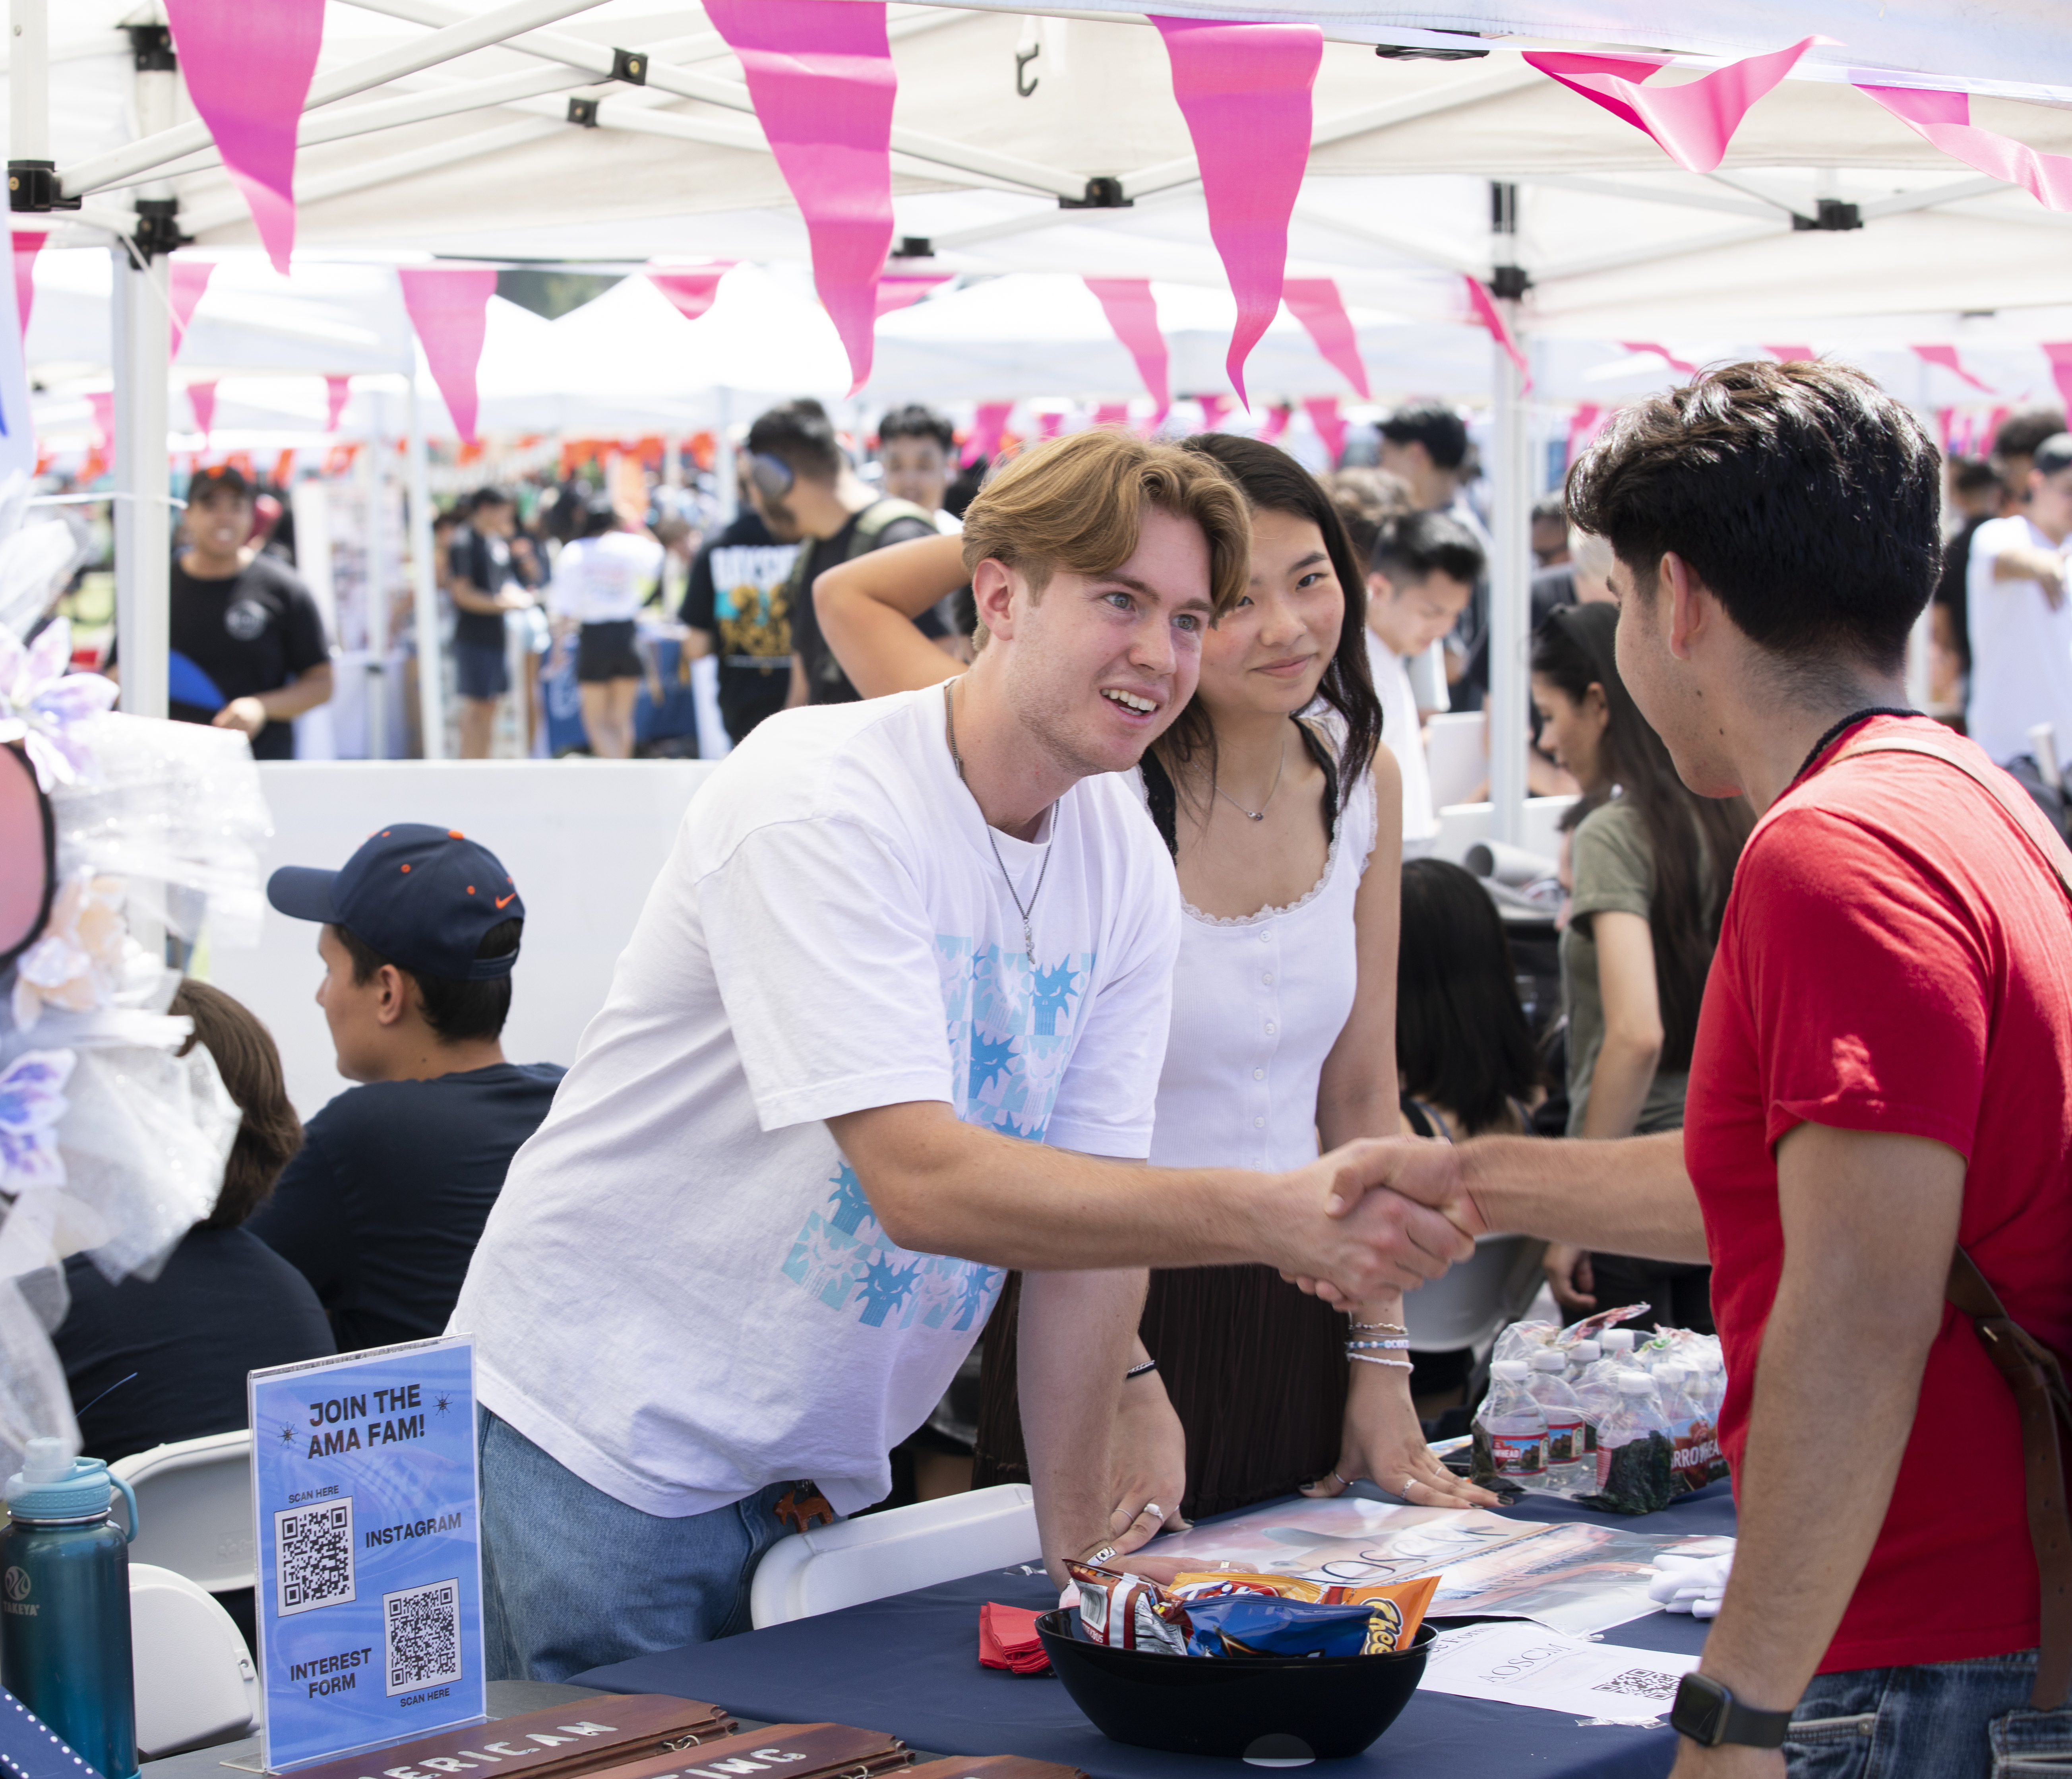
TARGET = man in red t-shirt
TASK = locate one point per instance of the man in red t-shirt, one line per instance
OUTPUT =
(1883, 1072)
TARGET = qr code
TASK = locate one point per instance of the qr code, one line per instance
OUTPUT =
(313, 1556)
(1642, 1683)
(421, 1636)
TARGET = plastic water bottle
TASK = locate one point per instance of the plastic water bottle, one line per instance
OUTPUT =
(1582, 1356)
(64, 1605)
(1618, 1344)
(1510, 1430)
(1634, 1450)
(1571, 1453)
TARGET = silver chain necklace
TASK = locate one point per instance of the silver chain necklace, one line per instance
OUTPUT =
(1258, 814)
(1027, 910)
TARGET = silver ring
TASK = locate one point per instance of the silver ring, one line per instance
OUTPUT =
(1340, 1480)
(1153, 1507)
(1102, 1554)
(1409, 1483)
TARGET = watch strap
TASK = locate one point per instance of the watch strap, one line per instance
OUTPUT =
(1710, 1714)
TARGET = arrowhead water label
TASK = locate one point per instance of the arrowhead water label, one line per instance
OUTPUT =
(368, 1522)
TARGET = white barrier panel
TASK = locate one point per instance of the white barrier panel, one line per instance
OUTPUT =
(1461, 825)
(583, 839)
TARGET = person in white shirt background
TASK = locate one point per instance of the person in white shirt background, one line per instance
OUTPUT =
(2020, 618)
(601, 580)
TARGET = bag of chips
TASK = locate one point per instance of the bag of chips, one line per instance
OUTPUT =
(1228, 1613)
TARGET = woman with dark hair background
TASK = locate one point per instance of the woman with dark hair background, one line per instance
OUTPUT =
(1651, 868)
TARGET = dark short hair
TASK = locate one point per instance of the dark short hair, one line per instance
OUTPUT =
(1434, 425)
(599, 516)
(1462, 1040)
(1419, 545)
(455, 1010)
(1802, 495)
(1972, 475)
(918, 421)
(2026, 428)
(490, 497)
(268, 1133)
(2054, 456)
(1552, 508)
(800, 435)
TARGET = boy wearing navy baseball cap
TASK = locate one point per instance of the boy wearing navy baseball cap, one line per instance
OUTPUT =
(381, 1210)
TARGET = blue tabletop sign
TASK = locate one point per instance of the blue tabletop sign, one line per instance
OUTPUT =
(369, 1512)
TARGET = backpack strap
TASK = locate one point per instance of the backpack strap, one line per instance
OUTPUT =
(2032, 1370)
(872, 521)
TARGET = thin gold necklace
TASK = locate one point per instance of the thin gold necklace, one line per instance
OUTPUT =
(1026, 911)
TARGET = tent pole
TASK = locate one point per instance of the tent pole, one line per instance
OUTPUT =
(143, 479)
(29, 83)
(1510, 532)
(725, 469)
(375, 585)
(431, 703)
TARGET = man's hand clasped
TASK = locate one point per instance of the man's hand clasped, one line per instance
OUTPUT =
(1396, 1212)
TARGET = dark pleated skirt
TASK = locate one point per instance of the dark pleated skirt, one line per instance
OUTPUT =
(1256, 1370)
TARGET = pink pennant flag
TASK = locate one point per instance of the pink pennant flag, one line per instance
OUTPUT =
(27, 245)
(1244, 90)
(102, 402)
(201, 397)
(449, 307)
(1050, 425)
(1491, 317)
(1214, 408)
(1277, 424)
(1111, 413)
(1316, 303)
(1992, 431)
(1944, 119)
(338, 390)
(188, 278)
(2059, 352)
(900, 288)
(691, 293)
(1661, 352)
(248, 70)
(1947, 357)
(821, 73)
(1584, 425)
(1323, 411)
(1133, 312)
(1791, 354)
(1692, 123)
(987, 425)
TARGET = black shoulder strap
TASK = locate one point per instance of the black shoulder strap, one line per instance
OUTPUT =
(1165, 803)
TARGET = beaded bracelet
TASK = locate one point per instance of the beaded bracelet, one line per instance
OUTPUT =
(1370, 1359)
(1149, 1366)
(1394, 1346)
(1378, 1327)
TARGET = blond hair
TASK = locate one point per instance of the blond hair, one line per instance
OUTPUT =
(1077, 503)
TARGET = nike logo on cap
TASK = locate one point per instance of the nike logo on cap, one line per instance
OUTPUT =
(502, 900)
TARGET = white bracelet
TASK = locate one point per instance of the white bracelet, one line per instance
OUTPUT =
(1369, 1359)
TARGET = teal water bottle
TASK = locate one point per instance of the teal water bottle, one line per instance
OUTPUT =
(64, 1605)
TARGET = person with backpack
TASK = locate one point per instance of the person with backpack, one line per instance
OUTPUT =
(1877, 1144)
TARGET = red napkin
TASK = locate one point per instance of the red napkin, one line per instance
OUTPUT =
(1007, 1639)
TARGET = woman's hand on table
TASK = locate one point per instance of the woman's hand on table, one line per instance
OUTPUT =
(1383, 1443)
(1150, 1451)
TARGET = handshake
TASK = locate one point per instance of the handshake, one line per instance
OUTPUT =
(1380, 1214)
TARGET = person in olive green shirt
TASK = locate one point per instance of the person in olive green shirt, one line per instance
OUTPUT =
(1644, 917)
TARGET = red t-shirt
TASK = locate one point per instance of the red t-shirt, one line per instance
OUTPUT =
(1894, 957)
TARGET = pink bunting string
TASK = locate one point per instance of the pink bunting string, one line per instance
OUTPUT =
(1214, 408)
(1111, 413)
(338, 390)
(691, 293)
(987, 424)
(902, 288)
(1486, 312)
(1791, 354)
(247, 68)
(186, 282)
(102, 402)
(1584, 425)
(1277, 424)
(1693, 123)
(821, 73)
(1946, 356)
(27, 245)
(1661, 352)
(1316, 303)
(201, 397)
(1244, 90)
(1993, 431)
(1050, 425)
(1944, 119)
(449, 307)
(1133, 312)
(2059, 352)
(1323, 412)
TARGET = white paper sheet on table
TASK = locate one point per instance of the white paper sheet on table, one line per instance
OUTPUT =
(1573, 1578)
(1521, 1664)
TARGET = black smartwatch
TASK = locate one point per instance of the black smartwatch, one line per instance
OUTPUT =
(1710, 1716)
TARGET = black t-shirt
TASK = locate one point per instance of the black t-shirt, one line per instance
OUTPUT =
(225, 1305)
(1953, 585)
(248, 632)
(484, 563)
(381, 1210)
(825, 681)
(737, 596)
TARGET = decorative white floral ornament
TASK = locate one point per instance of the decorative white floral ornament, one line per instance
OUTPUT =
(78, 962)
(41, 701)
(32, 1100)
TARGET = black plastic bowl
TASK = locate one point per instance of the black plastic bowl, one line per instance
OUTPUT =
(1289, 1708)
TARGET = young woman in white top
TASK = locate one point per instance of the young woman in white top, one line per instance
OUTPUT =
(601, 580)
(1285, 831)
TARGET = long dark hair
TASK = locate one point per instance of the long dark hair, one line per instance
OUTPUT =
(1462, 1040)
(1574, 650)
(269, 1136)
(1273, 482)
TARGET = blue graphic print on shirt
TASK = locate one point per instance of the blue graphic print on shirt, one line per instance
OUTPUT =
(1011, 1029)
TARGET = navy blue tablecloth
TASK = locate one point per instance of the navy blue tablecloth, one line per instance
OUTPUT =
(909, 1665)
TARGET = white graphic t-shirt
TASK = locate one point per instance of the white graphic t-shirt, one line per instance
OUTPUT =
(682, 1294)
(605, 579)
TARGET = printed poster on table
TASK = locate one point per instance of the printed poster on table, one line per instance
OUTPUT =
(368, 1522)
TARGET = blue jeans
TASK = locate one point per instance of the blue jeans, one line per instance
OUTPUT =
(1942, 1720)
(572, 1578)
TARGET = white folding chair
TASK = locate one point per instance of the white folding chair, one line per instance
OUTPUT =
(894, 1552)
(196, 1684)
(194, 1508)
(1468, 1305)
